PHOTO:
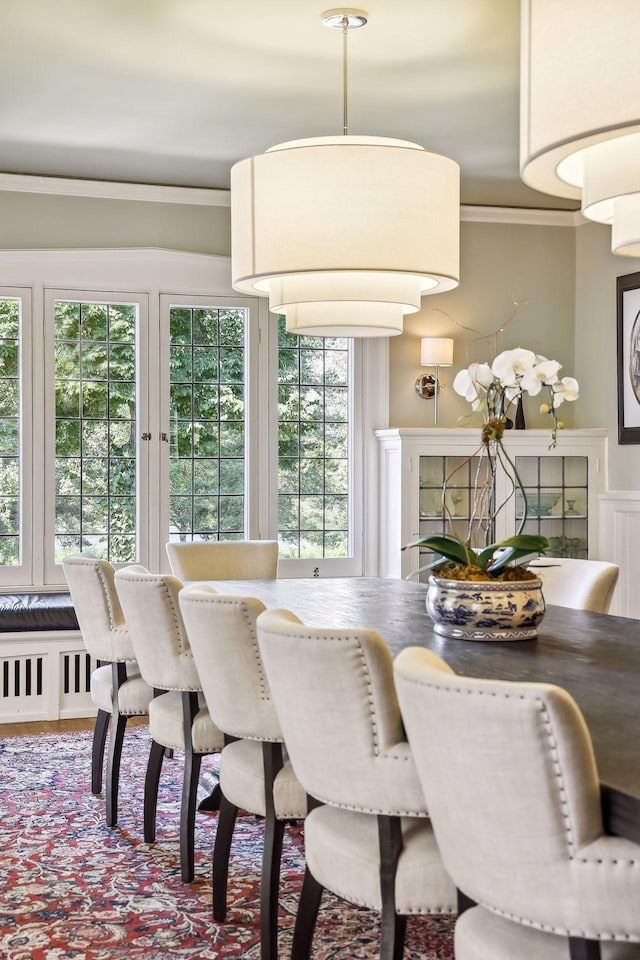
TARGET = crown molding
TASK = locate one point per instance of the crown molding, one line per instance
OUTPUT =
(111, 255)
(113, 190)
(521, 215)
(201, 196)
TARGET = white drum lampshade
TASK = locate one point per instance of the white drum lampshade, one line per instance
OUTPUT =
(580, 109)
(436, 352)
(345, 234)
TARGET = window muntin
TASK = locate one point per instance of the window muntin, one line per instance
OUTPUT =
(207, 458)
(10, 432)
(313, 446)
(95, 370)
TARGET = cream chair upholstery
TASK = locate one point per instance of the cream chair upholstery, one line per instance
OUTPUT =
(117, 689)
(224, 560)
(255, 773)
(372, 841)
(178, 718)
(512, 788)
(581, 584)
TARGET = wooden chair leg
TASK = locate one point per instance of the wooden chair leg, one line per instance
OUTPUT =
(221, 853)
(270, 887)
(392, 926)
(308, 907)
(272, 763)
(97, 750)
(151, 784)
(118, 727)
(192, 763)
(580, 949)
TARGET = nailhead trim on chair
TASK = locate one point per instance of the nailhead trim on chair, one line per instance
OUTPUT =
(265, 693)
(585, 934)
(86, 562)
(376, 751)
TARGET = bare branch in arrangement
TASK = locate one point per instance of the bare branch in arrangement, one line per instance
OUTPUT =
(491, 339)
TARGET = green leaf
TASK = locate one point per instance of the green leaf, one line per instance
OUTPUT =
(513, 548)
(449, 547)
(525, 541)
(517, 548)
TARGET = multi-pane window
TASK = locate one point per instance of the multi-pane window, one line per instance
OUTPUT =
(207, 423)
(95, 429)
(127, 420)
(313, 446)
(10, 432)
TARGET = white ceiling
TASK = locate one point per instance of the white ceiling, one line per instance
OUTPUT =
(175, 91)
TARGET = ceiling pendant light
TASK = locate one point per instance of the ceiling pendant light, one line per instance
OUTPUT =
(345, 234)
(579, 109)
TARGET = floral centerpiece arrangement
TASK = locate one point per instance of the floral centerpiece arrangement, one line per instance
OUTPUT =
(492, 390)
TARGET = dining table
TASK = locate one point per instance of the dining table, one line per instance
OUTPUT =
(594, 656)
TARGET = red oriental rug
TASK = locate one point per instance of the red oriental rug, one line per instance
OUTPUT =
(73, 889)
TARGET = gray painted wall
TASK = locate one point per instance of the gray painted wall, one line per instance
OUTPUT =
(41, 222)
(500, 263)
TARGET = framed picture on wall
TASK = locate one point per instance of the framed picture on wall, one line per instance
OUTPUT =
(628, 310)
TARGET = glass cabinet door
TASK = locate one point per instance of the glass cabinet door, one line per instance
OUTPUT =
(446, 498)
(556, 491)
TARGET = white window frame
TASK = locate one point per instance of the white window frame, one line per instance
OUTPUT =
(145, 494)
(359, 404)
(252, 523)
(149, 273)
(23, 571)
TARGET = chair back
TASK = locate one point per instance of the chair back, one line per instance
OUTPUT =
(100, 617)
(223, 636)
(224, 560)
(150, 604)
(581, 584)
(510, 781)
(339, 713)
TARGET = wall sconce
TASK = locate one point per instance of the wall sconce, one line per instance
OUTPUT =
(434, 352)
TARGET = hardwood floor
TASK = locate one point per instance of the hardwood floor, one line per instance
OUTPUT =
(55, 726)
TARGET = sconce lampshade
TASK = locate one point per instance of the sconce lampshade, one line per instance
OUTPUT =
(345, 234)
(580, 109)
(436, 352)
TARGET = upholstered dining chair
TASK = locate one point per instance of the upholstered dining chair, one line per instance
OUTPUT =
(255, 772)
(581, 584)
(178, 716)
(117, 689)
(512, 788)
(224, 560)
(368, 838)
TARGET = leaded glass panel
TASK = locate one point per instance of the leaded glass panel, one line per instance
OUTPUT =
(313, 446)
(207, 436)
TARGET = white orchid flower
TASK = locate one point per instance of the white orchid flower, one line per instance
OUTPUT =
(541, 374)
(565, 389)
(509, 365)
(473, 382)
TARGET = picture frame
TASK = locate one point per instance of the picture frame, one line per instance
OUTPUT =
(628, 327)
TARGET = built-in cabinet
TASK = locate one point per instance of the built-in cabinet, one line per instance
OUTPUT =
(561, 486)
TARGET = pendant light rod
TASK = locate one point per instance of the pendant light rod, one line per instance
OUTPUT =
(345, 20)
(345, 81)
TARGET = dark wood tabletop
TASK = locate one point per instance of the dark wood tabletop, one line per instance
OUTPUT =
(596, 657)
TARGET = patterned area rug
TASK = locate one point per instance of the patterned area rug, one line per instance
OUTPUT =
(73, 889)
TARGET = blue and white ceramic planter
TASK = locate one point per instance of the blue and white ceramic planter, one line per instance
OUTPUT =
(485, 610)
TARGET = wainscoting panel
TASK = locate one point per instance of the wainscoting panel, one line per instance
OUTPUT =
(620, 543)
